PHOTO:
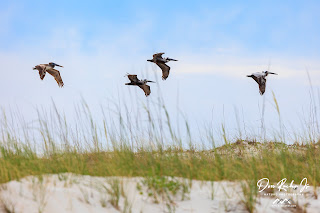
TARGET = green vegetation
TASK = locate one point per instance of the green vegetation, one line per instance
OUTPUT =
(20, 161)
(162, 187)
(105, 153)
(160, 159)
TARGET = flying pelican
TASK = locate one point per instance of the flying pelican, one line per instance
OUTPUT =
(43, 68)
(141, 83)
(161, 62)
(260, 78)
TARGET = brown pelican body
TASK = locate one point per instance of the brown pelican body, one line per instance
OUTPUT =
(161, 62)
(44, 68)
(140, 83)
(260, 78)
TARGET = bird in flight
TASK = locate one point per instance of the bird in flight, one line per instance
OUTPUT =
(161, 62)
(260, 78)
(141, 83)
(43, 68)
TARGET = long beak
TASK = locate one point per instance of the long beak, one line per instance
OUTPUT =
(273, 73)
(171, 59)
(59, 65)
(249, 75)
(150, 60)
(151, 81)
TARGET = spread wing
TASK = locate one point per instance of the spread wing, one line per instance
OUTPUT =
(261, 82)
(56, 74)
(165, 70)
(42, 71)
(262, 86)
(133, 78)
(146, 89)
(256, 79)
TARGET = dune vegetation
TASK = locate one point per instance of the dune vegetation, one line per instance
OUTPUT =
(107, 152)
(54, 147)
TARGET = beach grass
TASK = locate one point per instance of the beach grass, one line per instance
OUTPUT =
(107, 151)
(273, 162)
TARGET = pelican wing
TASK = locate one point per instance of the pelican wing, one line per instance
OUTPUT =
(165, 70)
(261, 80)
(56, 74)
(257, 79)
(146, 89)
(262, 85)
(42, 70)
(133, 78)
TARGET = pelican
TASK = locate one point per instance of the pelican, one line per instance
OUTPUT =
(260, 78)
(43, 68)
(141, 83)
(161, 62)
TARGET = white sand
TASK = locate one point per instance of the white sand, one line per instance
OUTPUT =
(79, 194)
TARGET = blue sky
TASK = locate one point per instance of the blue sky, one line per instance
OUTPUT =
(217, 43)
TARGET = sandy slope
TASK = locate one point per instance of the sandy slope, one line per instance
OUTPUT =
(75, 193)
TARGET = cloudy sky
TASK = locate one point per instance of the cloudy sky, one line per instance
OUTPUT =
(217, 44)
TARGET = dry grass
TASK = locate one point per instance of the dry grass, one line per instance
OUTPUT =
(109, 151)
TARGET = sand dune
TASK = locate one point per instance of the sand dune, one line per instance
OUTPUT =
(76, 193)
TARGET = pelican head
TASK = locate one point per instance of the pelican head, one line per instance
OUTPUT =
(54, 64)
(267, 73)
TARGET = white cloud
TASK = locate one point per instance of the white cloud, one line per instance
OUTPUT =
(238, 67)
